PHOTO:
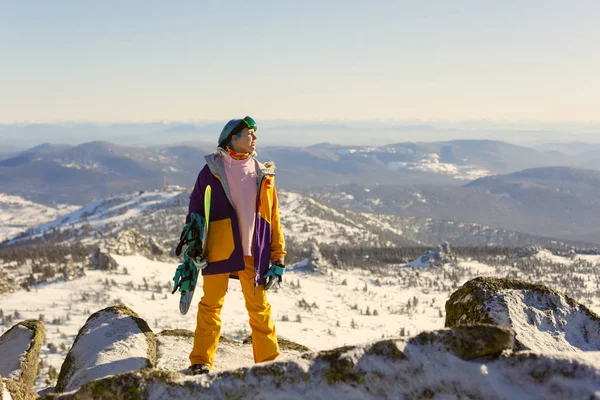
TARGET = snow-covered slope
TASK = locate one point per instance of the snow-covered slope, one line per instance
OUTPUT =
(161, 214)
(18, 215)
(322, 310)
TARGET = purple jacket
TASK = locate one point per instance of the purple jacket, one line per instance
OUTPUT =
(224, 243)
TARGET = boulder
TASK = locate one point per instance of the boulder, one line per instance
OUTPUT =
(112, 341)
(173, 349)
(7, 285)
(103, 261)
(438, 256)
(388, 369)
(529, 251)
(10, 390)
(175, 346)
(541, 318)
(469, 341)
(132, 242)
(20, 348)
(315, 263)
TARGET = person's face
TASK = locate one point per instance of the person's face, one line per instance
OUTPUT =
(246, 143)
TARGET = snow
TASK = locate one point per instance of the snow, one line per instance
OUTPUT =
(17, 214)
(337, 316)
(340, 298)
(112, 210)
(337, 299)
(419, 263)
(110, 344)
(426, 371)
(547, 255)
(562, 325)
(13, 348)
(308, 219)
(430, 163)
(5, 393)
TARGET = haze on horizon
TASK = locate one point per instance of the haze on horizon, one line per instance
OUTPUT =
(303, 61)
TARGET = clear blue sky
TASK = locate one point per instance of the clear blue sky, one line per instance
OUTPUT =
(299, 60)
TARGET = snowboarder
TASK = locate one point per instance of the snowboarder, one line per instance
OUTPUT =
(245, 241)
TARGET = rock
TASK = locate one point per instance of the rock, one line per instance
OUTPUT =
(528, 251)
(469, 341)
(541, 318)
(173, 349)
(389, 369)
(438, 256)
(112, 341)
(103, 261)
(314, 264)
(7, 285)
(285, 346)
(20, 351)
(4, 393)
(175, 346)
(131, 242)
(10, 390)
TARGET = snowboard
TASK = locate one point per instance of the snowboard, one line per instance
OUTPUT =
(187, 295)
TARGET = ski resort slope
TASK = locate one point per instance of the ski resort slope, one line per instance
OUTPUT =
(18, 215)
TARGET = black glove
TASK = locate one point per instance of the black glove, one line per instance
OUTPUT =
(273, 275)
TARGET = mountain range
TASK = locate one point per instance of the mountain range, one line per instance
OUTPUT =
(78, 174)
(553, 201)
(160, 215)
(495, 184)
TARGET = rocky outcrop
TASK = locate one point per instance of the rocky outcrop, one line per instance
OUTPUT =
(131, 242)
(528, 251)
(175, 346)
(426, 367)
(285, 346)
(10, 390)
(469, 341)
(112, 341)
(438, 256)
(103, 261)
(315, 263)
(6, 285)
(541, 318)
(20, 348)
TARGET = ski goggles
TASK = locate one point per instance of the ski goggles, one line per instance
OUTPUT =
(249, 123)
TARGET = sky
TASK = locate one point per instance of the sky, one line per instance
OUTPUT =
(135, 61)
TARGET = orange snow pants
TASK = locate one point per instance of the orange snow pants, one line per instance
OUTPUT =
(208, 325)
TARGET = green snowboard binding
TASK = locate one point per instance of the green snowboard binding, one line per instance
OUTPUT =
(195, 257)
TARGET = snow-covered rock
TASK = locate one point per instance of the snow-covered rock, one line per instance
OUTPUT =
(4, 393)
(528, 251)
(438, 256)
(174, 347)
(103, 261)
(7, 285)
(315, 263)
(541, 318)
(20, 352)
(10, 390)
(112, 341)
(131, 241)
(424, 367)
(469, 341)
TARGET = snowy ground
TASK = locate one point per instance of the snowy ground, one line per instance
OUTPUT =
(17, 215)
(320, 311)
